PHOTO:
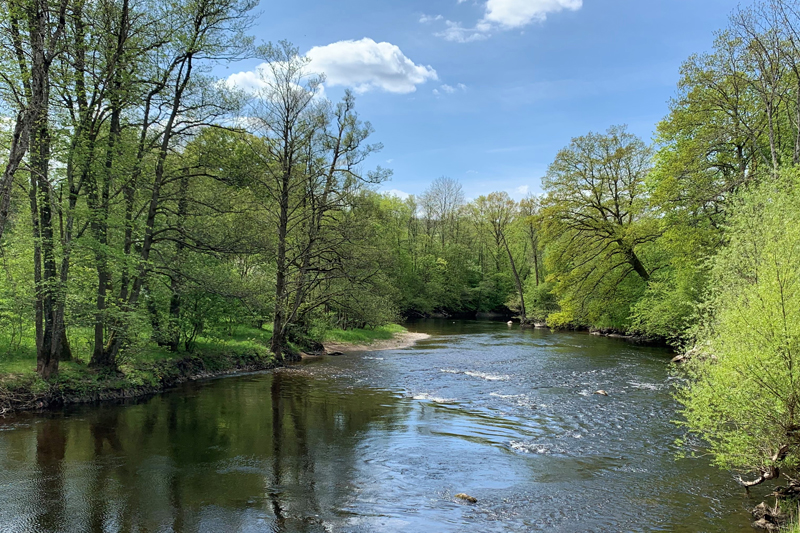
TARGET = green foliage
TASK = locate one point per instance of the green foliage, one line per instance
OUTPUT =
(542, 301)
(743, 396)
(668, 306)
(599, 228)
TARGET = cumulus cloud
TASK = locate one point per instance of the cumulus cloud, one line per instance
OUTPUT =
(366, 65)
(506, 15)
(252, 81)
(363, 65)
(522, 189)
(249, 80)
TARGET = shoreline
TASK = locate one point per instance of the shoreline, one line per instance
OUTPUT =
(29, 393)
(397, 342)
(32, 394)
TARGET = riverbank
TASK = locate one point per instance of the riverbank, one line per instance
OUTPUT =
(77, 383)
(398, 341)
(388, 337)
(153, 370)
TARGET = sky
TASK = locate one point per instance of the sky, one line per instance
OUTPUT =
(488, 91)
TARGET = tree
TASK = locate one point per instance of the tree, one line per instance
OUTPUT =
(598, 216)
(308, 157)
(743, 396)
(496, 214)
(33, 38)
(442, 200)
(177, 101)
(530, 215)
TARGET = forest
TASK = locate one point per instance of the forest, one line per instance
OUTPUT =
(149, 208)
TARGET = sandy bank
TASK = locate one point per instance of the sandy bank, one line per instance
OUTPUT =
(400, 340)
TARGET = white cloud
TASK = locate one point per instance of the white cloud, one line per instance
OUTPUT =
(249, 80)
(397, 192)
(366, 65)
(522, 190)
(258, 79)
(449, 89)
(425, 19)
(505, 15)
(363, 65)
(519, 13)
(455, 32)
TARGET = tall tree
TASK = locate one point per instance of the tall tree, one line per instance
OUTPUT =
(598, 215)
(530, 214)
(34, 39)
(177, 101)
(309, 155)
(496, 214)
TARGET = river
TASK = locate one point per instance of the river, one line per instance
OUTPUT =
(382, 441)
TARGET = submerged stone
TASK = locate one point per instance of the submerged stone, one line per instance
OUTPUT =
(466, 498)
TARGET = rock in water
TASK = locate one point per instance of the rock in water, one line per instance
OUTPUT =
(466, 498)
(601, 392)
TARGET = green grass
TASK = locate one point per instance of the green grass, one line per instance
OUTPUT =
(18, 364)
(21, 359)
(794, 524)
(148, 365)
(363, 336)
(148, 369)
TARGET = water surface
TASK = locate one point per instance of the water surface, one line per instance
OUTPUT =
(382, 441)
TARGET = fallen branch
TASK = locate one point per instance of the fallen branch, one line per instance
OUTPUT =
(770, 473)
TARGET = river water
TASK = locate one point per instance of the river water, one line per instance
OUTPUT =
(382, 441)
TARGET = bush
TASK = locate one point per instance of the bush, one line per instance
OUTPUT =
(744, 396)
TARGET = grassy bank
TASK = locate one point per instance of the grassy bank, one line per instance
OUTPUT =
(142, 371)
(148, 368)
(362, 336)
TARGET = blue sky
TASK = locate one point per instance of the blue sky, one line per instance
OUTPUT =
(487, 91)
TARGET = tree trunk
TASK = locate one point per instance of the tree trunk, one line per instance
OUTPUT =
(637, 265)
(175, 281)
(48, 294)
(278, 344)
(19, 145)
(98, 200)
(523, 314)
